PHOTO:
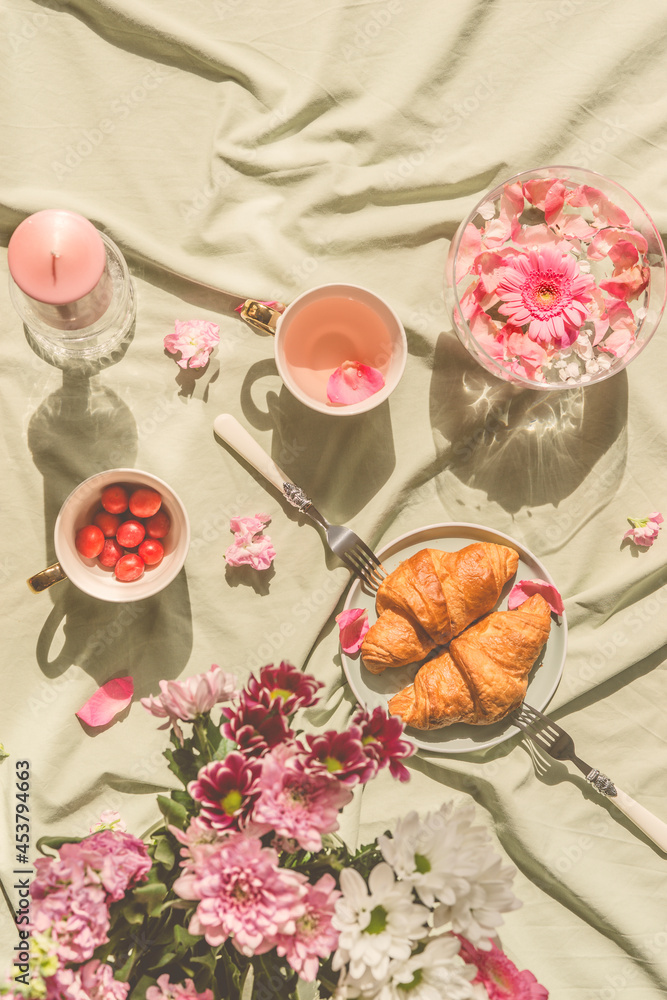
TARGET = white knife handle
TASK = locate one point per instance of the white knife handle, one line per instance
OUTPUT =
(641, 817)
(230, 430)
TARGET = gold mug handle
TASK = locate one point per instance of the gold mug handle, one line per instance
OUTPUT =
(46, 578)
(262, 316)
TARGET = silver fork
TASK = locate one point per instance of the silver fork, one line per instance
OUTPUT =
(344, 542)
(550, 737)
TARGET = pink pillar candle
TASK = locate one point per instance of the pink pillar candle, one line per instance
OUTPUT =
(58, 260)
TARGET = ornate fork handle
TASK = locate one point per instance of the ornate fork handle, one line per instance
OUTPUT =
(296, 497)
(601, 782)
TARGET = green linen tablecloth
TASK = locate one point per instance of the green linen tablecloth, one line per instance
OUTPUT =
(266, 148)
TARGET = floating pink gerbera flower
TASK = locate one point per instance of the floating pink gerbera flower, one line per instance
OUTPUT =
(546, 291)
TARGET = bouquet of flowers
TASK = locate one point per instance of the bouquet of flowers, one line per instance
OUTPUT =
(245, 892)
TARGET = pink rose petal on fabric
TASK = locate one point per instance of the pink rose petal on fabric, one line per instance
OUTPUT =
(353, 625)
(524, 589)
(353, 382)
(109, 699)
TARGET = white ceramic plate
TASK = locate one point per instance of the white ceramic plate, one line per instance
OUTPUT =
(376, 689)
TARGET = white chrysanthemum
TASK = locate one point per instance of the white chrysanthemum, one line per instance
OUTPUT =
(435, 973)
(377, 923)
(451, 863)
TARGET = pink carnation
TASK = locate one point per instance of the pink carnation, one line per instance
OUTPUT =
(93, 981)
(69, 906)
(119, 859)
(195, 339)
(166, 990)
(296, 803)
(244, 895)
(185, 700)
(315, 936)
(644, 530)
(250, 546)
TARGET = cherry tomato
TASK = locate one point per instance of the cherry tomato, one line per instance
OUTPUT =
(151, 551)
(158, 525)
(114, 499)
(129, 567)
(89, 541)
(109, 523)
(145, 502)
(110, 554)
(130, 534)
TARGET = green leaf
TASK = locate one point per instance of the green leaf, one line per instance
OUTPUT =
(174, 813)
(55, 842)
(164, 852)
(224, 747)
(150, 895)
(183, 938)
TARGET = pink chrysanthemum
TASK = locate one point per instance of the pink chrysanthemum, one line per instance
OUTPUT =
(545, 291)
(315, 937)
(296, 803)
(285, 685)
(185, 700)
(227, 790)
(500, 977)
(254, 727)
(243, 895)
(381, 738)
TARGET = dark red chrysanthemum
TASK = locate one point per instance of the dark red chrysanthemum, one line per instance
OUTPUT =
(253, 726)
(381, 738)
(341, 755)
(227, 790)
(285, 685)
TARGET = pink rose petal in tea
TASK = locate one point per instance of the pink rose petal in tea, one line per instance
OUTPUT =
(352, 382)
(353, 625)
(109, 699)
(524, 589)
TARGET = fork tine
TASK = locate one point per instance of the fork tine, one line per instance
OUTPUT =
(370, 556)
(370, 573)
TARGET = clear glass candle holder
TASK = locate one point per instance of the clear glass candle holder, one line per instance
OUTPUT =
(60, 339)
(556, 279)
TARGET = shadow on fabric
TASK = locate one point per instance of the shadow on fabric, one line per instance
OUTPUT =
(522, 447)
(339, 462)
(79, 430)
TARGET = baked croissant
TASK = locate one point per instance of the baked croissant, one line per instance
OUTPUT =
(483, 675)
(431, 597)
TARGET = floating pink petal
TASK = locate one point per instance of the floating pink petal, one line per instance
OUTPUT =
(109, 699)
(536, 191)
(469, 247)
(353, 625)
(524, 589)
(353, 382)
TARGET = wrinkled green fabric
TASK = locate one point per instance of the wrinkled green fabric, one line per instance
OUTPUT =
(265, 149)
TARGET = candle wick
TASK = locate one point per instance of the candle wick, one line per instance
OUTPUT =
(54, 256)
